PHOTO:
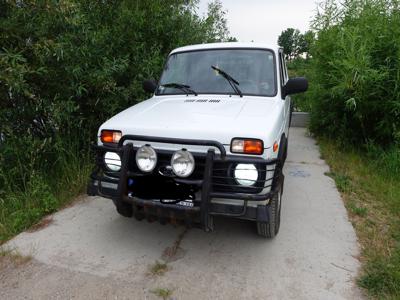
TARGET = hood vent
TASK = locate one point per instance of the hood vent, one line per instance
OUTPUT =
(203, 100)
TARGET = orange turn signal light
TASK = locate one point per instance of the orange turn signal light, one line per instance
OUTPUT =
(110, 136)
(275, 148)
(247, 146)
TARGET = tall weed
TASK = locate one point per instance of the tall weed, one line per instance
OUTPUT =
(355, 71)
(47, 184)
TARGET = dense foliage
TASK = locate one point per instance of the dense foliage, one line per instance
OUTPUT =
(67, 66)
(356, 71)
(301, 67)
(354, 100)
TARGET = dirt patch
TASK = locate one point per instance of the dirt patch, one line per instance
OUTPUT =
(8, 256)
(41, 224)
(80, 198)
(175, 252)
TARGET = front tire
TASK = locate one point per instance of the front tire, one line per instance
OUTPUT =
(271, 228)
(124, 209)
(283, 147)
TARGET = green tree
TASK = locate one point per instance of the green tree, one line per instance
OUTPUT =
(294, 43)
(215, 23)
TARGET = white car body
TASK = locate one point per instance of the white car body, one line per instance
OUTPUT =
(167, 122)
(201, 117)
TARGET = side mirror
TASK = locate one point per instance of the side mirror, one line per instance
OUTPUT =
(295, 85)
(149, 85)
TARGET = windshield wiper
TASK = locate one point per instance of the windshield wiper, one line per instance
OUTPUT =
(180, 86)
(232, 81)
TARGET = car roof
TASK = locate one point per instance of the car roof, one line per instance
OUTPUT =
(229, 45)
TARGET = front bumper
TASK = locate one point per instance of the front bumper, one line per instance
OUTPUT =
(202, 213)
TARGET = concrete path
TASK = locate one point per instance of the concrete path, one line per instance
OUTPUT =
(90, 252)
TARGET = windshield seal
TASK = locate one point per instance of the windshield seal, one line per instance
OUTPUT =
(157, 93)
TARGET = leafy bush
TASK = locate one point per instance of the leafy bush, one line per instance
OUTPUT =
(66, 67)
(355, 71)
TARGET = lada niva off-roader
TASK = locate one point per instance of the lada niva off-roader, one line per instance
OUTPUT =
(211, 141)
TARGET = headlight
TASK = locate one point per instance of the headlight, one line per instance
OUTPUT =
(112, 161)
(246, 174)
(182, 163)
(146, 158)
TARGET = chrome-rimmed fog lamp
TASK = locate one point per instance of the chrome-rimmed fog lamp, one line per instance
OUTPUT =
(182, 163)
(146, 158)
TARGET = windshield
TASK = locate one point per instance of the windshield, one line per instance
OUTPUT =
(253, 69)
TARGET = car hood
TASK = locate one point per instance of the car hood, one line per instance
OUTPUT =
(200, 117)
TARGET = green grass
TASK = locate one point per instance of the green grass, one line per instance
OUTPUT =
(42, 195)
(370, 186)
(342, 181)
(163, 293)
(158, 268)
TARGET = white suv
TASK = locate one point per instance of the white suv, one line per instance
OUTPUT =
(212, 140)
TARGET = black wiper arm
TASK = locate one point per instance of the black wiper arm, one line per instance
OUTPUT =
(180, 86)
(232, 81)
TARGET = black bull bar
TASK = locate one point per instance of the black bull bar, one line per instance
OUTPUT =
(203, 213)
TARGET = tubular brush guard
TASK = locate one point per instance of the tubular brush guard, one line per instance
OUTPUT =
(202, 214)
